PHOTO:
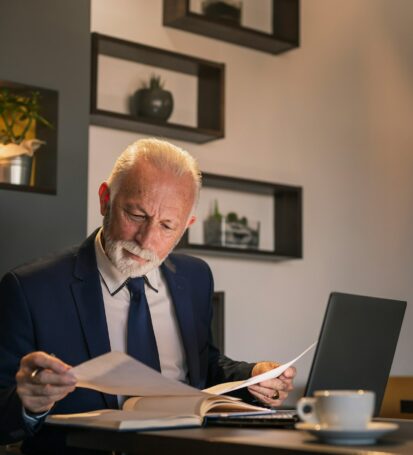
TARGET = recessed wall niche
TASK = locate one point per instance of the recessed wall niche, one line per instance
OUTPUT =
(28, 123)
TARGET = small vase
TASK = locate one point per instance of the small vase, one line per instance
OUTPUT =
(153, 103)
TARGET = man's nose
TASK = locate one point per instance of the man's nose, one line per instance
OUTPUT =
(145, 236)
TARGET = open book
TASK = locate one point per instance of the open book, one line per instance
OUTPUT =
(144, 413)
(157, 402)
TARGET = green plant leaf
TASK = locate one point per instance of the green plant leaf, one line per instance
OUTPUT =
(232, 217)
(19, 108)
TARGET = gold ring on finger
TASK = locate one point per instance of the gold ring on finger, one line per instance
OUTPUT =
(35, 372)
(276, 395)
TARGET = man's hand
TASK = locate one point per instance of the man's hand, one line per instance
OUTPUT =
(273, 391)
(42, 380)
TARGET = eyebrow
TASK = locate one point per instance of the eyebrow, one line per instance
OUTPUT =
(129, 206)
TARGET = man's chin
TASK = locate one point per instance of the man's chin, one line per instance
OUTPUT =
(131, 267)
(130, 263)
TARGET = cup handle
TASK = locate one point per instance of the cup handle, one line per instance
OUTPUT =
(306, 409)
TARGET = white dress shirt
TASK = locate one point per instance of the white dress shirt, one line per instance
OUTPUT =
(116, 299)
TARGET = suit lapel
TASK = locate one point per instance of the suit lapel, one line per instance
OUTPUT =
(181, 298)
(87, 293)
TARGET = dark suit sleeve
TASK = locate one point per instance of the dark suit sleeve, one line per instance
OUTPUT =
(16, 340)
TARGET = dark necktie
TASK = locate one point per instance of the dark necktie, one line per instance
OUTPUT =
(141, 342)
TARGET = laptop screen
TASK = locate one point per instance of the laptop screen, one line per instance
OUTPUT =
(356, 345)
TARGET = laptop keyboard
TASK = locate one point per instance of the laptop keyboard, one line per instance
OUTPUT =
(282, 418)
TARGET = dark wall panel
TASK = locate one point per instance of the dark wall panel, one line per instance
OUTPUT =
(46, 43)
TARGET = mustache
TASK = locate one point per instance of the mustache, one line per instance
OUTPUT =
(135, 249)
(128, 245)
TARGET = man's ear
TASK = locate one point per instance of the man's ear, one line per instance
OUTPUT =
(104, 198)
(191, 221)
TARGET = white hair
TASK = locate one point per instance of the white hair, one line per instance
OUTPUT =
(162, 155)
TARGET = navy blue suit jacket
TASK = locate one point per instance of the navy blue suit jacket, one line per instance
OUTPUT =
(56, 305)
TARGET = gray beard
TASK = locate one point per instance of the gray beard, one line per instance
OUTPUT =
(114, 249)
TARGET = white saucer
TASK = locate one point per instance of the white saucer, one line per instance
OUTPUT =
(364, 436)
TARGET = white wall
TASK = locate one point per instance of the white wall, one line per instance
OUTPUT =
(335, 116)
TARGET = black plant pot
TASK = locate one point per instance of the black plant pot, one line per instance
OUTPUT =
(154, 103)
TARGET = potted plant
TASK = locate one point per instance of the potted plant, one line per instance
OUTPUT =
(152, 101)
(18, 116)
(213, 227)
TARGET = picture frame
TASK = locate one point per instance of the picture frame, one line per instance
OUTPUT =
(246, 218)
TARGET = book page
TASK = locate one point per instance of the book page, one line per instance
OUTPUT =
(119, 374)
(172, 404)
(198, 405)
(274, 373)
(219, 405)
(116, 419)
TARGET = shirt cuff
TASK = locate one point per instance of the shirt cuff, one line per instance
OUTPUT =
(33, 419)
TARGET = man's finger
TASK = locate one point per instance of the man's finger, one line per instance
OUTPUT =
(40, 360)
(266, 391)
(289, 373)
(49, 377)
(267, 400)
(48, 390)
(273, 384)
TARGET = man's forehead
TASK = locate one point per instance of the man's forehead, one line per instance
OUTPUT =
(144, 178)
(144, 171)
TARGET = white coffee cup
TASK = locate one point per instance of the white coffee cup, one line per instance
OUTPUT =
(341, 409)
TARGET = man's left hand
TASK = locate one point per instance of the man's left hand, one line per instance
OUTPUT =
(273, 391)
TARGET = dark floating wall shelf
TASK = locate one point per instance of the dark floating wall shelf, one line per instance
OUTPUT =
(285, 26)
(286, 226)
(211, 88)
(26, 188)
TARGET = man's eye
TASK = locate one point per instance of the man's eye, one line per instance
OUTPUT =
(167, 227)
(136, 217)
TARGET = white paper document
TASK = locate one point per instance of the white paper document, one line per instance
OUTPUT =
(226, 387)
(119, 374)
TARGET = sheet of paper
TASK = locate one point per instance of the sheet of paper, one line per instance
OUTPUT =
(119, 374)
(274, 373)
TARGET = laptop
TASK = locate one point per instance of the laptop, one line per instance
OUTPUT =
(355, 350)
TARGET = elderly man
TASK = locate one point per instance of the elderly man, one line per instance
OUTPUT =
(122, 289)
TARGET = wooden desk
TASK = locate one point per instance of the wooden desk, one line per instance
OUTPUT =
(230, 441)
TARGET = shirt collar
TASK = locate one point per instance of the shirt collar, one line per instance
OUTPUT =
(115, 280)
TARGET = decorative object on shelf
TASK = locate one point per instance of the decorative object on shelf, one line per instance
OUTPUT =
(210, 102)
(262, 220)
(213, 227)
(153, 101)
(284, 34)
(223, 10)
(19, 114)
(241, 232)
(231, 230)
